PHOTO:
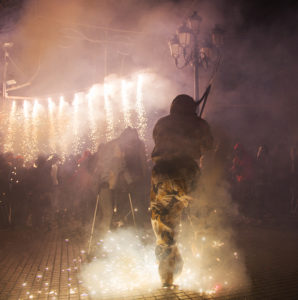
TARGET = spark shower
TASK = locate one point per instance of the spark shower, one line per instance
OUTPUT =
(70, 126)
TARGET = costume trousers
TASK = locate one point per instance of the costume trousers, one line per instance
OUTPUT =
(167, 201)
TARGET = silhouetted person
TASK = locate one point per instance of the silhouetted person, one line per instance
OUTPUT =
(180, 139)
(263, 182)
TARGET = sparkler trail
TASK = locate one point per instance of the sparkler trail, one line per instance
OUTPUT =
(52, 142)
(125, 265)
(75, 125)
(142, 119)
(61, 127)
(125, 105)
(109, 112)
(91, 97)
(27, 144)
(34, 128)
(8, 145)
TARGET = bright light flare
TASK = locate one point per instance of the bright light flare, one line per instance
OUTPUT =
(9, 143)
(26, 106)
(125, 104)
(109, 112)
(51, 105)
(142, 119)
(93, 93)
(62, 104)
(35, 109)
(124, 266)
(96, 116)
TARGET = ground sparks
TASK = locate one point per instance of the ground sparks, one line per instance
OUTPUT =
(70, 126)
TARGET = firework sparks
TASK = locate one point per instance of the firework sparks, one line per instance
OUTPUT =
(142, 119)
(34, 127)
(27, 139)
(109, 112)
(125, 104)
(75, 122)
(8, 146)
(61, 126)
(92, 95)
(53, 126)
(51, 108)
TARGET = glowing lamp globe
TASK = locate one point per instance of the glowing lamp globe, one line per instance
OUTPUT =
(184, 34)
(217, 36)
(174, 46)
(194, 22)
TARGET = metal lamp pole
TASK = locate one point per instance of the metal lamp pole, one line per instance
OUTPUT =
(196, 70)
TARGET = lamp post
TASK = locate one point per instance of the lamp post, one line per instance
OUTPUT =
(186, 47)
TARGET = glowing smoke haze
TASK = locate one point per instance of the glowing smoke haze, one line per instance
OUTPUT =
(97, 116)
(65, 57)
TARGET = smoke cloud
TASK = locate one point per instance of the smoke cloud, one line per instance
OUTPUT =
(65, 47)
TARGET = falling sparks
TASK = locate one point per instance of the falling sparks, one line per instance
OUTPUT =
(8, 146)
(142, 120)
(129, 260)
(109, 112)
(125, 104)
(57, 125)
(123, 256)
(92, 96)
(52, 127)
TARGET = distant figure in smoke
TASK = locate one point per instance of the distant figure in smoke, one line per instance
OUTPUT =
(122, 171)
(108, 167)
(180, 139)
(243, 174)
(134, 179)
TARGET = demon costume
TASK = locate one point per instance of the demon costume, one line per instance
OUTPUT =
(180, 138)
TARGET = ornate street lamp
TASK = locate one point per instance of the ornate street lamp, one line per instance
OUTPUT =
(187, 49)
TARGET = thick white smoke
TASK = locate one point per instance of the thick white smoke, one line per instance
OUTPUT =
(213, 263)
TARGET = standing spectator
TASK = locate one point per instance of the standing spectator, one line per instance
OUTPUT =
(17, 192)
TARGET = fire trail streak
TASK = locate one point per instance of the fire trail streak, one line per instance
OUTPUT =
(142, 120)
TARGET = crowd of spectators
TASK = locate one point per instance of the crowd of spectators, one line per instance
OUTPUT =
(51, 191)
(264, 181)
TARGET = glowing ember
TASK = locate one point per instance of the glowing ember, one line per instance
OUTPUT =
(140, 108)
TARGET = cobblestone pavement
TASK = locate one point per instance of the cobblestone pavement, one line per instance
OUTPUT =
(45, 266)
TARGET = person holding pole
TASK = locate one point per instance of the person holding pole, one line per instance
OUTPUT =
(180, 139)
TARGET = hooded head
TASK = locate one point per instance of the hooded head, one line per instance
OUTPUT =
(183, 104)
(129, 134)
